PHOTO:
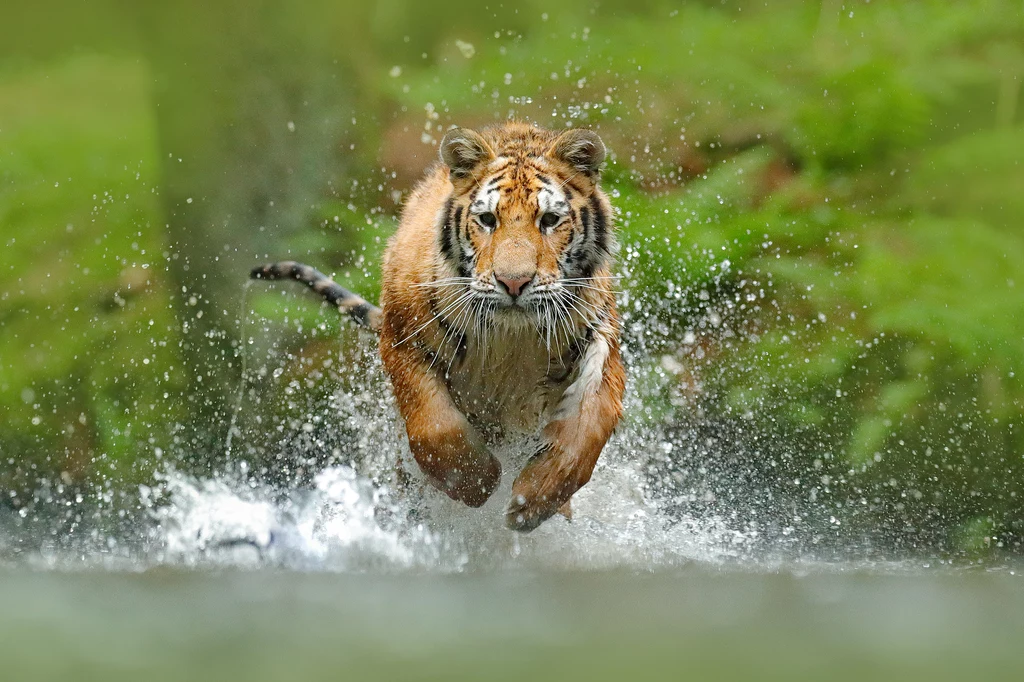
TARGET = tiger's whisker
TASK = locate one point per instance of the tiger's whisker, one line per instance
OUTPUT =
(436, 316)
(450, 282)
(453, 330)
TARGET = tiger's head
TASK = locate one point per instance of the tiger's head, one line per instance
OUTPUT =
(526, 222)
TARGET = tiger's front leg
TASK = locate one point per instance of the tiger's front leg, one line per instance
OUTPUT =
(573, 439)
(447, 448)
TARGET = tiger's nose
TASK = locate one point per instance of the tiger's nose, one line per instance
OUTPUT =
(513, 285)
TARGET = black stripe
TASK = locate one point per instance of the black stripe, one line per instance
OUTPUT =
(543, 180)
(465, 260)
(587, 269)
(542, 449)
(458, 254)
(361, 313)
(585, 220)
(457, 220)
(450, 248)
(600, 223)
(584, 252)
(495, 180)
(590, 336)
(574, 249)
(446, 235)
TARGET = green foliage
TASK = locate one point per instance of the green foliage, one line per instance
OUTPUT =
(819, 214)
(89, 350)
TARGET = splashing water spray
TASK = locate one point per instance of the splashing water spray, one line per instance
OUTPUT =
(362, 514)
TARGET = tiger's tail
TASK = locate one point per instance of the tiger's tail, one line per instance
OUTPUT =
(359, 309)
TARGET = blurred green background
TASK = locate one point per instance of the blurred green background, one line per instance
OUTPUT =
(821, 208)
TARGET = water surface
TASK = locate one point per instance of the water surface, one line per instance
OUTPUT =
(698, 622)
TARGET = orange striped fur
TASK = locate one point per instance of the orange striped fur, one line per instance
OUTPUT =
(498, 315)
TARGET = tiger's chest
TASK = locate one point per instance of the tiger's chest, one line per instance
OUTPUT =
(508, 384)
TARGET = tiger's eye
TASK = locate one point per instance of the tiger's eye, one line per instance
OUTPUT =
(488, 219)
(549, 220)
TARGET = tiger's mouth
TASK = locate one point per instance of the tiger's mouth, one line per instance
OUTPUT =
(513, 306)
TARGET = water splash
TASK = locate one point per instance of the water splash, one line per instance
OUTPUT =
(345, 522)
(243, 317)
(319, 476)
(312, 484)
(333, 525)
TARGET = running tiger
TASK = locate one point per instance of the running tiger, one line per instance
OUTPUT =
(498, 314)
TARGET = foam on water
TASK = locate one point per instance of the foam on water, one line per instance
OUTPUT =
(346, 523)
(332, 525)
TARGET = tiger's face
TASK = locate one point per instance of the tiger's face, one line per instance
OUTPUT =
(526, 224)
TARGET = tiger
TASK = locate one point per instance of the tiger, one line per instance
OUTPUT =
(498, 316)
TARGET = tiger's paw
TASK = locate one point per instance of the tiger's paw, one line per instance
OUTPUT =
(471, 481)
(458, 464)
(542, 489)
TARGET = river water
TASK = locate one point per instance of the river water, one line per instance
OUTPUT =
(237, 581)
(698, 622)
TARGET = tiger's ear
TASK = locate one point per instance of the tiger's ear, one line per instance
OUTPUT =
(462, 150)
(580, 148)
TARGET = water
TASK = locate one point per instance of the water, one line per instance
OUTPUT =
(698, 622)
(248, 581)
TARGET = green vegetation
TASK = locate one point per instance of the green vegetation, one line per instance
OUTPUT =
(820, 203)
(86, 318)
